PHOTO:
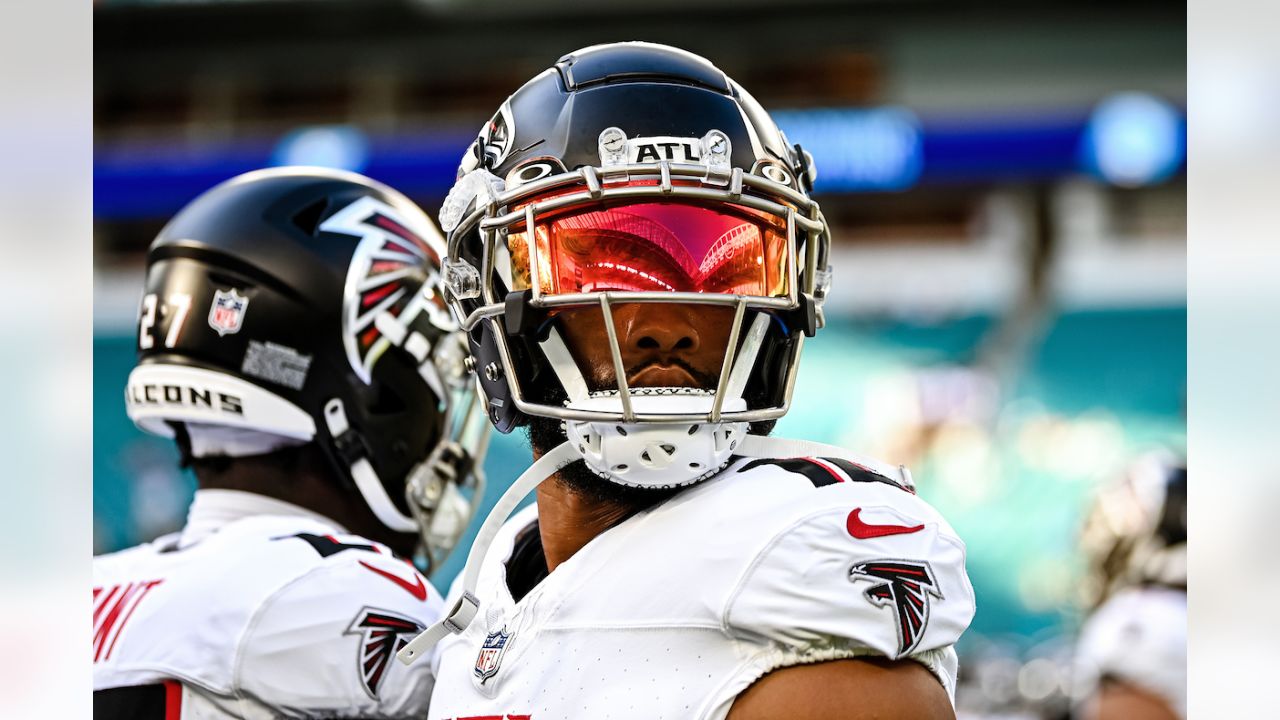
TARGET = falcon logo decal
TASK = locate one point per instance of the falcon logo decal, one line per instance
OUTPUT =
(382, 634)
(905, 587)
(392, 286)
(494, 143)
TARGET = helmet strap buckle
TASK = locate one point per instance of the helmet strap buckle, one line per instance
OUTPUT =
(351, 446)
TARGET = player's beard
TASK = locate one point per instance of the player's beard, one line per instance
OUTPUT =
(545, 434)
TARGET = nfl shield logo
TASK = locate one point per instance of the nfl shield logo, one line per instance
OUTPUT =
(490, 657)
(227, 312)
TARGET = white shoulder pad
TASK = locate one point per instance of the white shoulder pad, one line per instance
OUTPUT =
(492, 573)
(1138, 636)
(328, 638)
(859, 566)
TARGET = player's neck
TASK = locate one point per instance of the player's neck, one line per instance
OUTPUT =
(567, 520)
(295, 483)
(307, 483)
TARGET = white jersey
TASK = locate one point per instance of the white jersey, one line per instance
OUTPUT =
(675, 611)
(268, 616)
(1138, 636)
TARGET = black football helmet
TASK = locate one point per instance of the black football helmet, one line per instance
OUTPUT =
(1135, 531)
(634, 173)
(303, 304)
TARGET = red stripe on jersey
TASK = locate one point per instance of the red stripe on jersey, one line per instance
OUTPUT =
(830, 470)
(97, 611)
(144, 588)
(172, 700)
(108, 621)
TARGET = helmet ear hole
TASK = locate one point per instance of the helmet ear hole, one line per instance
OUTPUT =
(386, 401)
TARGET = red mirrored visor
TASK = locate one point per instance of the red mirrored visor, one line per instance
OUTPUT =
(656, 247)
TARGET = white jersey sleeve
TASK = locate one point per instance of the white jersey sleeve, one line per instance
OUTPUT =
(328, 640)
(862, 568)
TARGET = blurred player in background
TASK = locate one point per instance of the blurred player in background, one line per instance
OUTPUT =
(292, 343)
(1131, 660)
(632, 241)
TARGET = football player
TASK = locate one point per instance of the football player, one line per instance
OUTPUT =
(636, 257)
(1131, 659)
(293, 343)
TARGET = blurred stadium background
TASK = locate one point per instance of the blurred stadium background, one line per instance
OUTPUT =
(1006, 181)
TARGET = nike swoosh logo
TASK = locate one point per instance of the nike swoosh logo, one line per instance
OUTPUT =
(864, 531)
(418, 590)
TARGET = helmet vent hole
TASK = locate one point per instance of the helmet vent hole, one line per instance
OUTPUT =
(693, 429)
(620, 430)
(620, 468)
(695, 466)
(645, 456)
(668, 448)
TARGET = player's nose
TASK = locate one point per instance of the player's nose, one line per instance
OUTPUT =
(658, 329)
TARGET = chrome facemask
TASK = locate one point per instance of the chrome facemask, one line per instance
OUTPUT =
(445, 489)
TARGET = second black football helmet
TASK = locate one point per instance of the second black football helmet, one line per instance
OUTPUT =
(298, 305)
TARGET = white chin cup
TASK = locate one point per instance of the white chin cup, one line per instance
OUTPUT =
(656, 455)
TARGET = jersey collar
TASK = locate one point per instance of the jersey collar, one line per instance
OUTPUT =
(213, 509)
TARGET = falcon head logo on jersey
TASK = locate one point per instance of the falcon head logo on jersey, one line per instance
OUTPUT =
(491, 652)
(905, 587)
(226, 314)
(382, 633)
(392, 294)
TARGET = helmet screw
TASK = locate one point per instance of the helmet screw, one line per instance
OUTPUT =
(469, 363)
(493, 372)
(613, 139)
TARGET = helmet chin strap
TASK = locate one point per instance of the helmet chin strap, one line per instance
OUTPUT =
(366, 478)
(656, 455)
(465, 609)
